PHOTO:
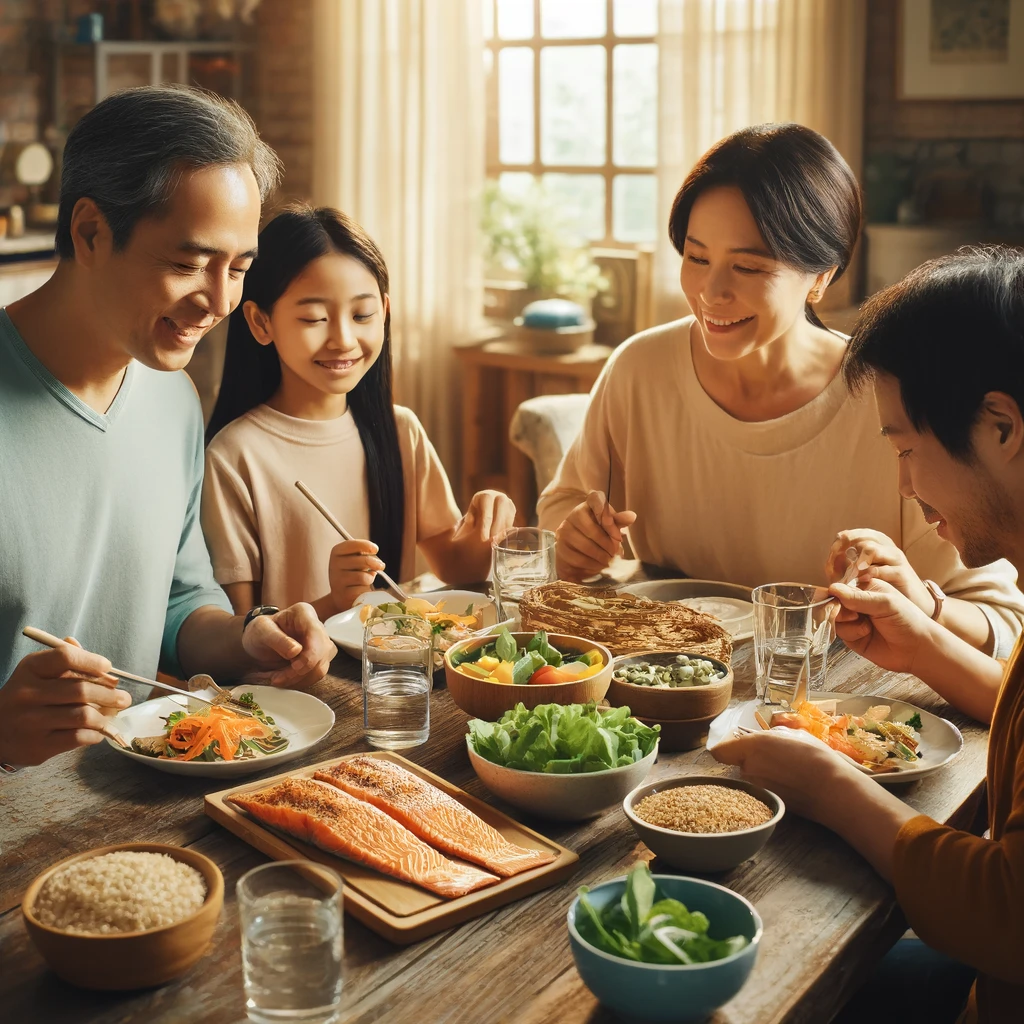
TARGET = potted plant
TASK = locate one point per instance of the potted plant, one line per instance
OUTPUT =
(527, 241)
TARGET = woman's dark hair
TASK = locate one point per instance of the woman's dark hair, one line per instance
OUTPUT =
(252, 372)
(802, 194)
(950, 332)
(127, 152)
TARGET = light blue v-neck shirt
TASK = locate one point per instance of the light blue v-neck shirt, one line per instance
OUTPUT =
(99, 513)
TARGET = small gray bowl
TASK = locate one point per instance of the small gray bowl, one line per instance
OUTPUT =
(703, 851)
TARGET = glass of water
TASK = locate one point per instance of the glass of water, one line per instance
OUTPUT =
(793, 628)
(521, 560)
(290, 916)
(398, 672)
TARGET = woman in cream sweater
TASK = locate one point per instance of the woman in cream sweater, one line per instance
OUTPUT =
(727, 441)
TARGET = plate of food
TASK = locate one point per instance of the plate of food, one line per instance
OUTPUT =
(454, 615)
(891, 740)
(183, 737)
(727, 603)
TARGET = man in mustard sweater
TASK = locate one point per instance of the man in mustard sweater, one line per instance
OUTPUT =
(944, 351)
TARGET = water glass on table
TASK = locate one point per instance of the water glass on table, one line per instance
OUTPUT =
(398, 672)
(521, 560)
(290, 916)
(793, 629)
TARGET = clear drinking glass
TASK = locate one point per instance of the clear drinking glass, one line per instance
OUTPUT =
(290, 916)
(521, 560)
(793, 627)
(398, 672)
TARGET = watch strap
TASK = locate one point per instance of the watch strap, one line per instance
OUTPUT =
(260, 609)
(937, 596)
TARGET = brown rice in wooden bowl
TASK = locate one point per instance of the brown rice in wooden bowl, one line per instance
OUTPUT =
(124, 917)
(703, 822)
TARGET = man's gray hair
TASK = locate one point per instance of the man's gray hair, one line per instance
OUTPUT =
(128, 152)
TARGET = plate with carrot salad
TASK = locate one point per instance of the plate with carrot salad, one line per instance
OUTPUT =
(186, 737)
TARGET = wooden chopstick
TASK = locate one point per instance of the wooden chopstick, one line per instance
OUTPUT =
(49, 640)
(325, 512)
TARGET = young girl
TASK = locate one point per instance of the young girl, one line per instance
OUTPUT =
(306, 395)
(731, 445)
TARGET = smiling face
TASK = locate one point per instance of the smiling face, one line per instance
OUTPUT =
(968, 500)
(181, 271)
(327, 326)
(742, 297)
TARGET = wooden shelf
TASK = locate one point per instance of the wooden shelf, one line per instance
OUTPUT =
(497, 377)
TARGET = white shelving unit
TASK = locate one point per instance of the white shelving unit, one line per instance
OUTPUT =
(145, 63)
(162, 57)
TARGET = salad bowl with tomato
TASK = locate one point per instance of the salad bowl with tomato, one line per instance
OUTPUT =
(490, 675)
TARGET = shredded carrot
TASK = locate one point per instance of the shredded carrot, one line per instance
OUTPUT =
(191, 735)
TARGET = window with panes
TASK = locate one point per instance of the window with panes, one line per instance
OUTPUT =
(572, 104)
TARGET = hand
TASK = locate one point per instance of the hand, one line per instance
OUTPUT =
(589, 538)
(351, 571)
(489, 517)
(809, 776)
(878, 557)
(293, 644)
(881, 624)
(55, 701)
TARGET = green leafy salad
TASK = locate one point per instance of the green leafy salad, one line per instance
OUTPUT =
(563, 739)
(644, 928)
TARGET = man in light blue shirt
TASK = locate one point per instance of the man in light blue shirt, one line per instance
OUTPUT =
(101, 435)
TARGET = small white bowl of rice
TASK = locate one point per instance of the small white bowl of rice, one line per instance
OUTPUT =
(703, 822)
(124, 917)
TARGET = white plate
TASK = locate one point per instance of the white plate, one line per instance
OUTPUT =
(300, 716)
(941, 741)
(687, 589)
(346, 628)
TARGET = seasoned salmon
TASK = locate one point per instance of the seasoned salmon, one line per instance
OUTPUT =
(431, 814)
(338, 823)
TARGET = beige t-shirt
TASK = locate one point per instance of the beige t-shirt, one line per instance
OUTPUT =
(260, 528)
(751, 503)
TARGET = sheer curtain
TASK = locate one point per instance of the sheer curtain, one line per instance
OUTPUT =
(727, 64)
(399, 146)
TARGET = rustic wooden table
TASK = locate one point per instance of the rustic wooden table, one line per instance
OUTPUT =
(828, 917)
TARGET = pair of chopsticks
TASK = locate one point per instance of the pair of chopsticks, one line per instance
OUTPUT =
(49, 640)
(345, 535)
(608, 503)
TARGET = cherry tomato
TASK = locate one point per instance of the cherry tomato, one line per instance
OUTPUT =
(547, 675)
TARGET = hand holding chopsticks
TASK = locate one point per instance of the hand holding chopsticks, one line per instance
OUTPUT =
(223, 697)
(326, 513)
(57, 700)
(590, 537)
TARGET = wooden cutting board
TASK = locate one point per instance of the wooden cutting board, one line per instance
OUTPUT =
(398, 911)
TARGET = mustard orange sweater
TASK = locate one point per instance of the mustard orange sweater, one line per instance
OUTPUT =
(964, 895)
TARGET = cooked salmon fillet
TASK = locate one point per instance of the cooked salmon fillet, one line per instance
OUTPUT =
(338, 823)
(432, 814)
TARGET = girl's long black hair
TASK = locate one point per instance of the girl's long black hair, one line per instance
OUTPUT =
(252, 372)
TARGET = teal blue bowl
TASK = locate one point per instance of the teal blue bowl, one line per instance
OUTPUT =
(660, 992)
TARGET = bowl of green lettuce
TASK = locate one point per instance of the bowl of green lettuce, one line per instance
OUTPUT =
(663, 947)
(565, 762)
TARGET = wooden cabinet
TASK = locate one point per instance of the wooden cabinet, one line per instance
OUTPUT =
(497, 377)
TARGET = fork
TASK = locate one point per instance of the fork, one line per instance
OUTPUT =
(49, 640)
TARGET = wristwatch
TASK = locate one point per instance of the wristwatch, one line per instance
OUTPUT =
(937, 595)
(260, 609)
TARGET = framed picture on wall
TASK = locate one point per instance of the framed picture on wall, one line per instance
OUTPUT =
(961, 50)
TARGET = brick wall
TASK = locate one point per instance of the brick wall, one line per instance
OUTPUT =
(282, 104)
(980, 140)
(19, 81)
